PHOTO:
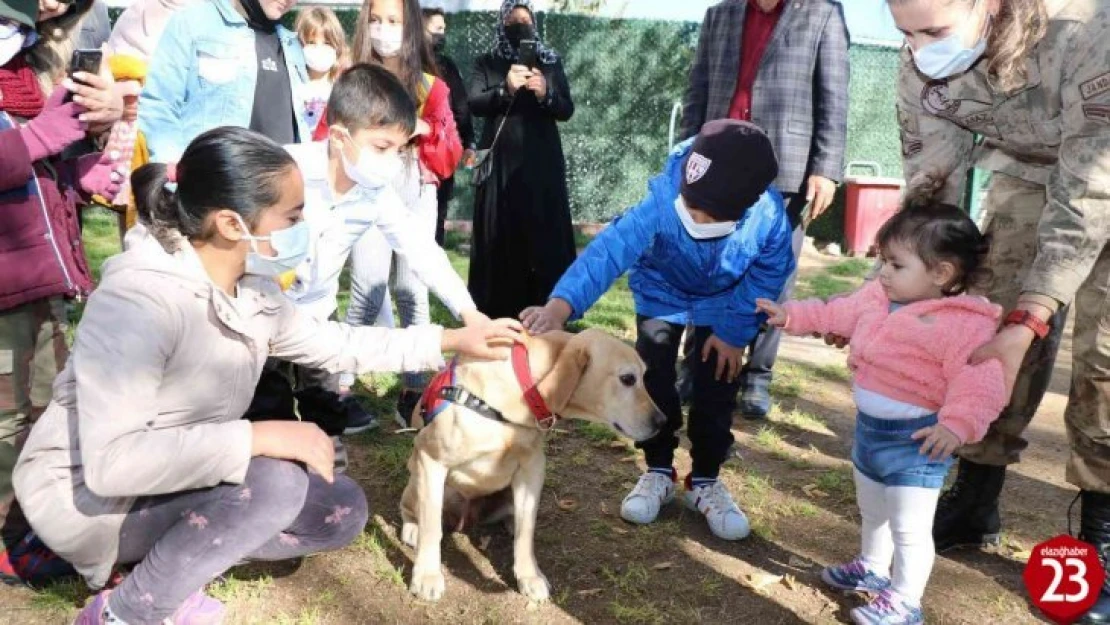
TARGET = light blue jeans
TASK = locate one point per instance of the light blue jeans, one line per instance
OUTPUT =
(376, 270)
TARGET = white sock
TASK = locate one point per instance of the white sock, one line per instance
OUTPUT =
(911, 527)
(876, 545)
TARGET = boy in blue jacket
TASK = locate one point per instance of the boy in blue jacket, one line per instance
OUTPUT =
(710, 238)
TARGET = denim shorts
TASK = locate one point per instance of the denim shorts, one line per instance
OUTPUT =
(884, 452)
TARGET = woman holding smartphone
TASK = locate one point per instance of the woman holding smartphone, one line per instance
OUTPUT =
(523, 241)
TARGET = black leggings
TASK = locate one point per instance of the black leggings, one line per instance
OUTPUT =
(182, 541)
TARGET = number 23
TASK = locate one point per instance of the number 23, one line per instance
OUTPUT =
(1051, 594)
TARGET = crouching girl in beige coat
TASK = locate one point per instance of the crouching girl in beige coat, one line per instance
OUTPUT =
(142, 457)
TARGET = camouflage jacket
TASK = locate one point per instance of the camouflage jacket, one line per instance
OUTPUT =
(1054, 131)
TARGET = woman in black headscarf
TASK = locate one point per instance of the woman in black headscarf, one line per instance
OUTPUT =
(523, 239)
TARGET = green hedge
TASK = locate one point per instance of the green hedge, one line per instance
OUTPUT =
(625, 75)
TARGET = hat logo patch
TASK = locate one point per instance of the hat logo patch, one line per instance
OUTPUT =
(696, 167)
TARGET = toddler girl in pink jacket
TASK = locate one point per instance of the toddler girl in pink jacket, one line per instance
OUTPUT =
(911, 332)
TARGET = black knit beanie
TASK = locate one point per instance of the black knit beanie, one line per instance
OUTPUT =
(729, 166)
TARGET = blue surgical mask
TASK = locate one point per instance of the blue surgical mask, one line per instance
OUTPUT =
(290, 248)
(698, 231)
(948, 57)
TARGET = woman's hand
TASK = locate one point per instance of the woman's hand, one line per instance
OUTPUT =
(537, 84)
(1008, 347)
(776, 314)
(729, 358)
(820, 192)
(541, 319)
(939, 442)
(49, 9)
(98, 94)
(298, 441)
(517, 77)
(485, 341)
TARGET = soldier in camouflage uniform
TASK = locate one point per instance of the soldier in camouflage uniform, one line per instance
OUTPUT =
(1039, 120)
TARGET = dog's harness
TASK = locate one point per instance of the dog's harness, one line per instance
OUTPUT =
(444, 390)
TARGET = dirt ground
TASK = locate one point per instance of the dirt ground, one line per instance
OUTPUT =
(789, 473)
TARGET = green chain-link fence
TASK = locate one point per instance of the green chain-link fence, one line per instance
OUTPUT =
(625, 76)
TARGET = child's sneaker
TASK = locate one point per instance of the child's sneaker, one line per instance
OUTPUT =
(855, 577)
(95, 612)
(652, 492)
(31, 562)
(199, 609)
(713, 500)
(888, 608)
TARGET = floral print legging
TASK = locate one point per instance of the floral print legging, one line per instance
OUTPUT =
(182, 541)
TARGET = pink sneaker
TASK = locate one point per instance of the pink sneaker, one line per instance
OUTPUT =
(199, 609)
(93, 613)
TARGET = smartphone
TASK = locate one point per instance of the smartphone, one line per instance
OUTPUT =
(87, 61)
(528, 53)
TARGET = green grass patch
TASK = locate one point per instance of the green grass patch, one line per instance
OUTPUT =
(597, 433)
(852, 268)
(387, 453)
(837, 483)
(635, 612)
(60, 597)
(231, 589)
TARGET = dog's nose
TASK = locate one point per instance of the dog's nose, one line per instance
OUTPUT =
(659, 420)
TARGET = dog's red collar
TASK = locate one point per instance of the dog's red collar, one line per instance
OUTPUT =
(544, 417)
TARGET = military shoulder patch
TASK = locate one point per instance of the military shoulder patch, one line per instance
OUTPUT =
(934, 97)
(1097, 112)
(1095, 86)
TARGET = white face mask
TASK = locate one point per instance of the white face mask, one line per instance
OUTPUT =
(373, 170)
(948, 57)
(290, 248)
(386, 39)
(12, 40)
(698, 231)
(320, 57)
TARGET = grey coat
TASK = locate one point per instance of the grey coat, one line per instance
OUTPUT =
(800, 96)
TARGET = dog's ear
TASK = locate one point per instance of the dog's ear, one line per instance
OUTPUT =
(559, 384)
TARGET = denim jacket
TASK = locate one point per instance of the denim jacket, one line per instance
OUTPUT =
(202, 76)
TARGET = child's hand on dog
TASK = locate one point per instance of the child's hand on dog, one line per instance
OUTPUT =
(776, 314)
(540, 319)
(939, 443)
(492, 340)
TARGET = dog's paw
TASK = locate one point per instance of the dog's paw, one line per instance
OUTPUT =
(428, 585)
(535, 587)
(409, 534)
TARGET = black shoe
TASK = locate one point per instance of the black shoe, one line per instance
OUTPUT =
(358, 418)
(967, 514)
(1094, 528)
(406, 405)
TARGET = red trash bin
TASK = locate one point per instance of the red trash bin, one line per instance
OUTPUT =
(871, 200)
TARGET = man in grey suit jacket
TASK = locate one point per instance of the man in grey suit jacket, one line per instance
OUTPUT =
(783, 65)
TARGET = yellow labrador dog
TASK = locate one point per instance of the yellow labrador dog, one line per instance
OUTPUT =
(482, 456)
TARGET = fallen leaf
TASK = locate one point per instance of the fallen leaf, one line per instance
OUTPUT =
(604, 508)
(761, 582)
(663, 566)
(618, 444)
(799, 562)
(811, 490)
(590, 592)
(632, 458)
(1022, 555)
(568, 504)
(483, 543)
(620, 530)
(790, 582)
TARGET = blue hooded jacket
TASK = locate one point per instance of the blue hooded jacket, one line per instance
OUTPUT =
(679, 279)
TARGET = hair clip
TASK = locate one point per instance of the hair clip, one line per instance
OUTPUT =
(171, 178)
